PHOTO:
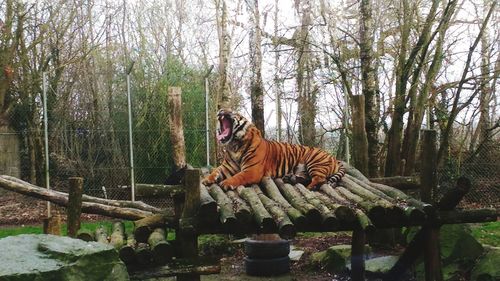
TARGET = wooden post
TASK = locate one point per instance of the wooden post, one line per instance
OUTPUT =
(360, 143)
(414, 249)
(176, 128)
(428, 179)
(358, 255)
(52, 225)
(188, 239)
(74, 209)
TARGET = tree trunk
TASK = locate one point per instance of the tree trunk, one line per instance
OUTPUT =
(403, 72)
(369, 84)
(224, 91)
(447, 132)
(412, 133)
(305, 81)
(256, 87)
(359, 138)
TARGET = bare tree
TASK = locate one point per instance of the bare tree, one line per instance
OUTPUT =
(369, 84)
(255, 53)
(224, 88)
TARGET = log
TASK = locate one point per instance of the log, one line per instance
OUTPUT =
(85, 235)
(174, 104)
(179, 267)
(74, 209)
(127, 252)
(61, 199)
(399, 182)
(451, 198)
(364, 222)
(262, 218)
(241, 209)
(342, 212)
(375, 212)
(467, 216)
(350, 170)
(329, 220)
(293, 196)
(144, 227)
(393, 212)
(411, 212)
(117, 238)
(334, 194)
(86, 198)
(226, 213)
(101, 234)
(285, 227)
(428, 209)
(208, 206)
(161, 249)
(143, 190)
(143, 255)
(273, 192)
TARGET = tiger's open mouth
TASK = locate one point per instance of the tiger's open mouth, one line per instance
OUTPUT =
(225, 130)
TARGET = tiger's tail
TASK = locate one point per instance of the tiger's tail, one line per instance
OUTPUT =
(335, 178)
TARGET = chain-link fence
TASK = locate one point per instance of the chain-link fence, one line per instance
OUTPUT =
(482, 168)
(93, 143)
(101, 155)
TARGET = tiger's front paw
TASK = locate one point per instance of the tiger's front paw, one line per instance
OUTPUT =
(208, 180)
(227, 185)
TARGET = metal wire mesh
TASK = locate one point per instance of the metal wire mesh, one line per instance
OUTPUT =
(482, 169)
(100, 154)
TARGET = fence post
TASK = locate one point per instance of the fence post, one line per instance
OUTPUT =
(428, 179)
(176, 128)
(130, 135)
(46, 137)
(74, 209)
(52, 225)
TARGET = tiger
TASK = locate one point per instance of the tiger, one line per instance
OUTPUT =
(249, 157)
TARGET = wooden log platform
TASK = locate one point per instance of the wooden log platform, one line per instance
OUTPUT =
(287, 208)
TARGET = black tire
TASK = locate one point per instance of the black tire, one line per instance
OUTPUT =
(267, 249)
(267, 267)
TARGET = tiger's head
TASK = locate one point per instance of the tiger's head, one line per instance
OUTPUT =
(232, 126)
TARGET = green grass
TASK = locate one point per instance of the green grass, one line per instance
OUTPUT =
(487, 233)
(37, 229)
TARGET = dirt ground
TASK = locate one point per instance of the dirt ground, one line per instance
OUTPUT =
(233, 266)
(18, 210)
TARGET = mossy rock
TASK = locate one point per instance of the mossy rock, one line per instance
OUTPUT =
(216, 245)
(488, 266)
(380, 265)
(335, 258)
(48, 257)
(459, 251)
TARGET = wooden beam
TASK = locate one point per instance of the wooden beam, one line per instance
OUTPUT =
(358, 255)
(188, 239)
(428, 178)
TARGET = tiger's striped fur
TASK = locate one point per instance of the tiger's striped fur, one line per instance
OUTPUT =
(248, 157)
